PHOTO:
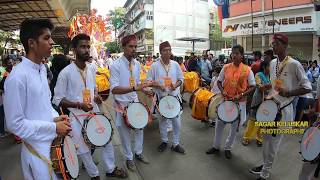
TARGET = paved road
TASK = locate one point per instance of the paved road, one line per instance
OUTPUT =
(195, 165)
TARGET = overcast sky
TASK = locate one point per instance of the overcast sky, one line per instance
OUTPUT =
(104, 6)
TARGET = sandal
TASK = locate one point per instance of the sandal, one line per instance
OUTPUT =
(117, 172)
(259, 144)
(245, 142)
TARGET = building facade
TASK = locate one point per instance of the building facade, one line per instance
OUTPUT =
(252, 24)
(156, 21)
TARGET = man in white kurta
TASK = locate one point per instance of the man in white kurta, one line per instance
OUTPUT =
(158, 73)
(29, 115)
(28, 110)
(120, 86)
(288, 80)
(70, 86)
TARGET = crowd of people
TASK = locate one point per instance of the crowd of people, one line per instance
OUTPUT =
(41, 101)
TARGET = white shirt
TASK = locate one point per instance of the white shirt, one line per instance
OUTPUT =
(119, 77)
(28, 110)
(215, 89)
(251, 80)
(157, 73)
(70, 85)
(293, 77)
(205, 68)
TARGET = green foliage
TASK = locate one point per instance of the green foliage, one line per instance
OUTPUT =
(113, 47)
(117, 17)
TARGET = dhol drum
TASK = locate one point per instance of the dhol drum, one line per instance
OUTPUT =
(146, 100)
(213, 105)
(267, 111)
(97, 130)
(310, 144)
(199, 103)
(228, 111)
(169, 106)
(191, 82)
(136, 115)
(270, 110)
(64, 158)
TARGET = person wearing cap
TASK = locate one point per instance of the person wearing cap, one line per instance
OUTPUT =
(288, 80)
(236, 81)
(124, 82)
(165, 68)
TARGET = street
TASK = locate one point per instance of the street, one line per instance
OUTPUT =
(196, 138)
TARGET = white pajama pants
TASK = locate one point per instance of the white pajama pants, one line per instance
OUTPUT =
(34, 168)
(307, 171)
(124, 132)
(107, 159)
(176, 126)
(270, 147)
(220, 125)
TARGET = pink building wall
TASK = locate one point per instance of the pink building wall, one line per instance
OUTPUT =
(244, 6)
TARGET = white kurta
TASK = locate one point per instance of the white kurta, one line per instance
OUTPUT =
(70, 86)
(29, 114)
(158, 73)
(293, 77)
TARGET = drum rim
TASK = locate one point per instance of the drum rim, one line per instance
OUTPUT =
(125, 116)
(61, 145)
(228, 121)
(301, 142)
(84, 131)
(159, 106)
(64, 162)
(278, 106)
(211, 100)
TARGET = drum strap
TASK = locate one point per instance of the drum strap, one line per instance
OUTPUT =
(316, 173)
(35, 153)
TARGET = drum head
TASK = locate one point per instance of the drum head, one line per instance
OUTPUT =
(99, 130)
(228, 111)
(169, 107)
(137, 115)
(310, 144)
(71, 158)
(267, 111)
(214, 103)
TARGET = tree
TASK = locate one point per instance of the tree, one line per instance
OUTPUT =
(117, 19)
(5, 38)
(113, 47)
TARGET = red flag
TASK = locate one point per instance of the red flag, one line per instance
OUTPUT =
(220, 15)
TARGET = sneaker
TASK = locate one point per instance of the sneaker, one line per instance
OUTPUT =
(162, 146)
(245, 142)
(131, 166)
(212, 151)
(212, 124)
(141, 158)
(259, 143)
(256, 170)
(178, 149)
(227, 154)
(117, 172)
(2, 135)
